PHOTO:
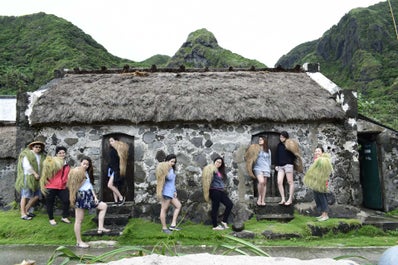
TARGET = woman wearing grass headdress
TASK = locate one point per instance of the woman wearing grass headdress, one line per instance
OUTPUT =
(167, 193)
(53, 184)
(30, 162)
(316, 179)
(82, 196)
(213, 178)
(117, 168)
(288, 159)
(258, 165)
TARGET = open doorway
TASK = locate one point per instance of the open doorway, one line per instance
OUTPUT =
(370, 171)
(127, 186)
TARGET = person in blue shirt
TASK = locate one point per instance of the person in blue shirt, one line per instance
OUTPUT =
(258, 164)
(167, 192)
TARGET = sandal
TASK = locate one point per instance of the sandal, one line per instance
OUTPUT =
(102, 231)
(65, 220)
(122, 201)
(282, 202)
(26, 217)
(288, 203)
(82, 245)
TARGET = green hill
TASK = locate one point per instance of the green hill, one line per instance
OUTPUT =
(360, 53)
(202, 50)
(32, 47)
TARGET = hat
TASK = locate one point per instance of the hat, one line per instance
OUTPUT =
(35, 143)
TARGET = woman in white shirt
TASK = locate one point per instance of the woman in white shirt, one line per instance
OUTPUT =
(82, 196)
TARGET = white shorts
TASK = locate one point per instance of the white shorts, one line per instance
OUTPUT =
(288, 168)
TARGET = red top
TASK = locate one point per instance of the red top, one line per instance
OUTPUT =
(60, 179)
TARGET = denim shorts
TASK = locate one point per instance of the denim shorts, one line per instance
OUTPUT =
(28, 193)
(262, 173)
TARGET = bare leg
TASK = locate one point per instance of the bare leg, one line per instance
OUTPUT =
(79, 215)
(261, 189)
(163, 211)
(265, 190)
(281, 176)
(101, 215)
(23, 207)
(31, 203)
(290, 181)
(177, 208)
(116, 193)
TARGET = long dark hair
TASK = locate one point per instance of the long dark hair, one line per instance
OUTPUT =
(90, 170)
(265, 144)
(170, 157)
(221, 169)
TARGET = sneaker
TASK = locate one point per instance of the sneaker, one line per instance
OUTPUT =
(225, 225)
(219, 227)
(174, 228)
(166, 231)
(323, 218)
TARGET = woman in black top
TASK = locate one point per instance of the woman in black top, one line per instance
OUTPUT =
(284, 165)
(117, 168)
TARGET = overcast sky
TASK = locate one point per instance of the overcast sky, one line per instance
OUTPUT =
(263, 30)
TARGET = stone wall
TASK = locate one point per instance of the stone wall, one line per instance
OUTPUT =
(8, 158)
(197, 144)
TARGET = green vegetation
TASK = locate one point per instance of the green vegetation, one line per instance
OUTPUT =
(140, 232)
(359, 53)
(202, 50)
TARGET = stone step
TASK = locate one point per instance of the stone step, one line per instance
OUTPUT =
(274, 211)
(117, 209)
(115, 219)
(385, 223)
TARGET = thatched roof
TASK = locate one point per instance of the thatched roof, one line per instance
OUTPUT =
(159, 97)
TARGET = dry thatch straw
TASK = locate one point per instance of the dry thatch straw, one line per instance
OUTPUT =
(231, 97)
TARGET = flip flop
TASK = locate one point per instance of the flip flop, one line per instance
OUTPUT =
(26, 217)
(82, 245)
(288, 203)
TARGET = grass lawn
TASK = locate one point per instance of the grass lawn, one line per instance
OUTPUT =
(140, 232)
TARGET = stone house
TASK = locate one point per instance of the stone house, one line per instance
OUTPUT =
(196, 114)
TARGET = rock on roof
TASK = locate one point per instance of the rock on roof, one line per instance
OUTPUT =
(160, 97)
